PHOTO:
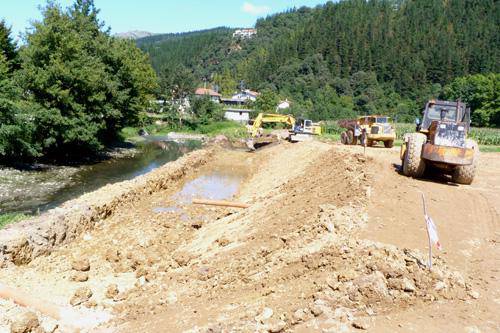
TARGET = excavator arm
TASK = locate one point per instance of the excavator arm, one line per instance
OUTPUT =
(267, 118)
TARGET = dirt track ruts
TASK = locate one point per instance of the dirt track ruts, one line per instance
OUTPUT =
(333, 240)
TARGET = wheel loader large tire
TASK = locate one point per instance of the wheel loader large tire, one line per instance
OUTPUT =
(343, 138)
(350, 137)
(389, 144)
(464, 174)
(413, 165)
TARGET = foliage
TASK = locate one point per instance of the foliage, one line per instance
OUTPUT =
(349, 57)
(205, 111)
(16, 127)
(176, 82)
(481, 93)
(8, 46)
(267, 101)
(80, 86)
(10, 218)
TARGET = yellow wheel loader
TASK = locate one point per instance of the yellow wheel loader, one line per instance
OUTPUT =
(441, 142)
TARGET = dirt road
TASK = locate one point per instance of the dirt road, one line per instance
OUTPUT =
(333, 241)
(468, 220)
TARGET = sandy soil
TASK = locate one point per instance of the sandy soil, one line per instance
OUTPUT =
(333, 241)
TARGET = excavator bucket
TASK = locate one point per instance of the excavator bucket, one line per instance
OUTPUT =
(255, 143)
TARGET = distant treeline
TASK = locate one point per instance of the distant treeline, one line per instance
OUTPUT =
(70, 88)
(352, 57)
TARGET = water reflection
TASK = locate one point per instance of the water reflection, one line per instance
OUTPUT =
(31, 191)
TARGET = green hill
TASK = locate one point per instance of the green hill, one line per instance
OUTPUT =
(346, 58)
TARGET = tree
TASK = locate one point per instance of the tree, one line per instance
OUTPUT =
(88, 84)
(481, 93)
(267, 101)
(8, 47)
(176, 83)
(16, 127)
(206, 111)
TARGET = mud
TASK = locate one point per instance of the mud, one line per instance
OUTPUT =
(298, 260)
(26, 240)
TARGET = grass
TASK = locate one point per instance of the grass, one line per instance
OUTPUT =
(489, 149)
(10, 218)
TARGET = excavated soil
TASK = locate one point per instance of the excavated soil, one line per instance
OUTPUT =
(305, 257)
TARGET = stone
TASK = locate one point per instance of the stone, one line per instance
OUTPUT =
(79, 276)
(112, 291)
(266, 314)
(81, 295)
(372, 286)
(361, 323)
(112, 255)
(274, 325)
(403, 284)
(440, 285)
(473, 294)
(120, 297)
(299, 316)
(25, 323)
(182, 258)
(408, 285)
(316, 310)
(81, 265)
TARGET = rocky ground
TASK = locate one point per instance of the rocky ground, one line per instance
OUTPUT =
(333, 242)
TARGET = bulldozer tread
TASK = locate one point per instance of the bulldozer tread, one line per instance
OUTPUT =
(413, 164)
(464, 174)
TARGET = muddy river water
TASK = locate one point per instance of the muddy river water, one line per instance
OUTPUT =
(33, 191)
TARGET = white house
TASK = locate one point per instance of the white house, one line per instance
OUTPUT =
(245, 33)
(239, 115)
(214, 96)
(246, 95)
(284, 105)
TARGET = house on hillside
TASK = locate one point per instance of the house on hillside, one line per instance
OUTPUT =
(283, 105)
(244, 33)
(237, 114)
(246, 95)
(214, 96)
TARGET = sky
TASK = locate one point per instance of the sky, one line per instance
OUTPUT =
(159, 16)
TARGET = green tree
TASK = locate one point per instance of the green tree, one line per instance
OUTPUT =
(482, 95)
(88, 84)
(226, 82)
(176, 82)
(206, 111)
(8, 46)
(16, 127)
(267, 101)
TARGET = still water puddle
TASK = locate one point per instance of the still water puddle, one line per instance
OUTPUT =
(217, 185)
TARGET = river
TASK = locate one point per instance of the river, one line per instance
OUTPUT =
(30, 192)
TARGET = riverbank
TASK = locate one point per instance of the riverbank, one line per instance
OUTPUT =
(230, 129)
(31, 191)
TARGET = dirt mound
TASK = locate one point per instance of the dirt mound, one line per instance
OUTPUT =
(293, 260)
(22, 242)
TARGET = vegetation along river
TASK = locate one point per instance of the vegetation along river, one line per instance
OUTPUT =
(28, 191)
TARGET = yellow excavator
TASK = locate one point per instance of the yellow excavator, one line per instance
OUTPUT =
(297, 129)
